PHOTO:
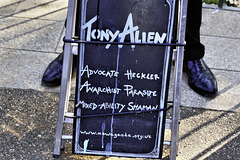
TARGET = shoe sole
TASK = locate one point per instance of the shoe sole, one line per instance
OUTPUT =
(212, 95)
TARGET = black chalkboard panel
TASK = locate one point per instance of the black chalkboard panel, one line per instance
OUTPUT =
(116, 79)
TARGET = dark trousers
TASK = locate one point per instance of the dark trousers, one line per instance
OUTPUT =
(194, 50)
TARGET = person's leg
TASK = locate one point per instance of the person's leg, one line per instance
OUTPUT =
(194, 49)
(200, 77)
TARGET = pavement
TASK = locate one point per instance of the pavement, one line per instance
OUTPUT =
(31, 37)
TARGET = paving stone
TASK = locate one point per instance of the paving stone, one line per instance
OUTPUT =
(30, 34)
(44, 9)
(220, 23)
(208, 134)
(222, 53)
(8, 7)
(24, 69)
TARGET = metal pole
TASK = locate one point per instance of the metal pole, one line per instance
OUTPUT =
(66, 78)
(178, 79)
(220, 4)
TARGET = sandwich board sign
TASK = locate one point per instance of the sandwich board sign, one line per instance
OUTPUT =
(121, 85)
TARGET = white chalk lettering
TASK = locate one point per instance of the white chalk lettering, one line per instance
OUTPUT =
(144, 37)
(102, 106)
(128, 30)
(137, 107)
(150, 37)
(114, 36)
(137, 39)
(116, 135)
(88, 25)
(130, 91)
(149, 76)
(99, 90)
(158, 38)
(89, 72)
(117, 106)
(91, 106)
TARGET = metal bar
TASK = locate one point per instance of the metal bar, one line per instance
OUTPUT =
(122, 43)
(122, 113)
(166, 65)
(220, 4)
(66, 78)
(67, 137)
(81, 49)
(167, 143)
(178, 79)
(68, 120)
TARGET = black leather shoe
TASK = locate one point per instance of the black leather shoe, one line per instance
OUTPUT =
(200, 78)
(53, 73)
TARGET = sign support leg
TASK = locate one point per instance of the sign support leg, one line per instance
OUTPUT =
(178, 79)
(66, 78)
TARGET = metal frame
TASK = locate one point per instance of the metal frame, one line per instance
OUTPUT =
(156, 152)
(66, 78)
(63, 114)
(178, 79)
